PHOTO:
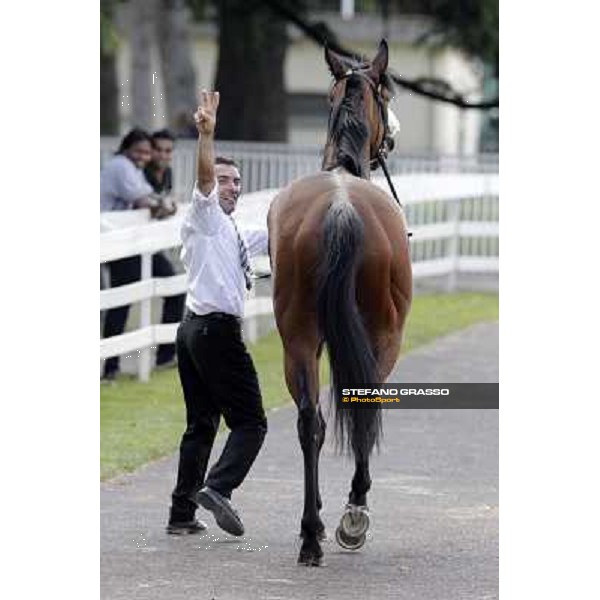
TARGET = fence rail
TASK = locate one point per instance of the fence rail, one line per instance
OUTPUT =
(270, 165)
(454, 219)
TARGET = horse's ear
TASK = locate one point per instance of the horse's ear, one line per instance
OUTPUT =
(380, 62)
(335, 63)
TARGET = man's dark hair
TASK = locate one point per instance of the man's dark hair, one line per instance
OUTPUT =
(133, 137)
(162, 134)
(226, 160)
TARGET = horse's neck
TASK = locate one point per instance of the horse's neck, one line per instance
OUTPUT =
(332, 160)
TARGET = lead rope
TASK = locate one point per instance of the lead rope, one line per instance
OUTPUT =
(389, 180)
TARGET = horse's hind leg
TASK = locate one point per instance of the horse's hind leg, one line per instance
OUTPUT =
(361, 483)
(351, 533)
(321, 534)
(352, 530)
(302, 379)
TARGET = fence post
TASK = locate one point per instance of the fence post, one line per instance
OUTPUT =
(144, 364)
(453, 244)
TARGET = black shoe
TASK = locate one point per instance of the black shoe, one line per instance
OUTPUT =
(186, 527)
(225, 515)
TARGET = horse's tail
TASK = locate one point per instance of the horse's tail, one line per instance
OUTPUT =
(351, 357)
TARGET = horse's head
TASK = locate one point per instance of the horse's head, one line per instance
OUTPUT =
(358, 130)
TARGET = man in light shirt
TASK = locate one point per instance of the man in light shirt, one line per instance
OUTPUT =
(217, 373)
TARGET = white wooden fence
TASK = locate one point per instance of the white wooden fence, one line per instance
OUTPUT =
(269, 165)
(454, 219)
(132, 233)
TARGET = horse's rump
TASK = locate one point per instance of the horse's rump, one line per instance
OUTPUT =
(296, 221)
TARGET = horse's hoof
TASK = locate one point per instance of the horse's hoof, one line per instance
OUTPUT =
(355, 521)
(349, 542)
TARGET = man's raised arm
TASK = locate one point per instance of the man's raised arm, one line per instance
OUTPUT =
(206, 118)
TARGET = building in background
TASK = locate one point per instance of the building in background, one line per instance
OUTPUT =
(426, 126)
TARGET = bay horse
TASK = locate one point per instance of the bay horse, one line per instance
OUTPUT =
(341, 278)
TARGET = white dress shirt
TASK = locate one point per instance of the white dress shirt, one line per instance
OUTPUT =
(211, 256)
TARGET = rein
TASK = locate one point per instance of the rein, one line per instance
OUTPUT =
(381, 160)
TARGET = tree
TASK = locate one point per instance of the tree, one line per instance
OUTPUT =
(177, 70)
(250, 75)
(435, 89)
(142, 35)
(471, 25)
(109, 88)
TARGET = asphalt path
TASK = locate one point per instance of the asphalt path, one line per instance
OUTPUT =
(434, 508)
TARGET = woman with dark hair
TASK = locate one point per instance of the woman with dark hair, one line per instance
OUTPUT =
(133, 137)
(122, 182)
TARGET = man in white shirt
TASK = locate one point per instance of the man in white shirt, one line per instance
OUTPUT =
(217, 373)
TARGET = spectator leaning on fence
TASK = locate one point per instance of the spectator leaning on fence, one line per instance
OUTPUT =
(217, 373)
(124, 187)
(122, 182)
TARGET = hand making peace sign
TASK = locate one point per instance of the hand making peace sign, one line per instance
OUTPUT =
(206, 115)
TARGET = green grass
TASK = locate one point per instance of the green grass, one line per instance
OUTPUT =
(142, 422)
(434, 315)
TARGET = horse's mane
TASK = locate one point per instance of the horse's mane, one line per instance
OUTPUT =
(348, 130)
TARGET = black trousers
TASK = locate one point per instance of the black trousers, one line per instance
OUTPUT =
(218, 378)
(128, 270)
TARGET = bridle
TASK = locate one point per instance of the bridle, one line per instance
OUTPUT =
(387, 141)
